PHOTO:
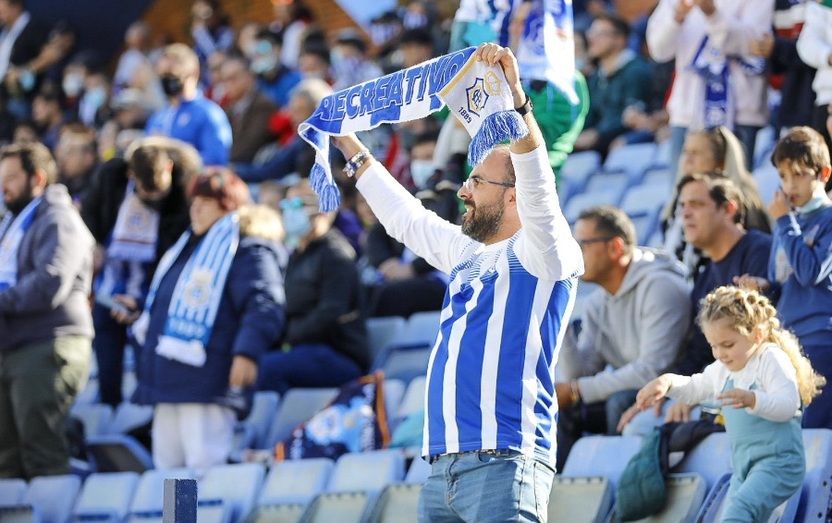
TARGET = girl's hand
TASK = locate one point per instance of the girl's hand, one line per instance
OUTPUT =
(653, 392)
(738, 398)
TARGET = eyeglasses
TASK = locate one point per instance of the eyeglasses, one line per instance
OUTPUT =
(476, 180)
(589, 241)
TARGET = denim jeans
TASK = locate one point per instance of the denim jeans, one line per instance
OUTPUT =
(483, 487)
(307, 365)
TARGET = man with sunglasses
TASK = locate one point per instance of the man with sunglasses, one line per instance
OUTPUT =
(513, 264)
(635, 323)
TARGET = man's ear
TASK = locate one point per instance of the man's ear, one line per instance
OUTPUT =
(824, 173)
(616, 246)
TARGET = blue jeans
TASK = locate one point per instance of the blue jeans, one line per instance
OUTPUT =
(306, 366)
(483, 487)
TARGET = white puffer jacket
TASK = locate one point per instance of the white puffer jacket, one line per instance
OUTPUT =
(815, 48)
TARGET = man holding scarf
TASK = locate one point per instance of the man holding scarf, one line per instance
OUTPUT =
(45, 324)
(489, 428)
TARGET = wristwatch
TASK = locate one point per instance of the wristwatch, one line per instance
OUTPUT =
(354, 163)
(526, 108)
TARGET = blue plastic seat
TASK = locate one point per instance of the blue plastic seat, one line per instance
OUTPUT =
(52, 497)
(118, 453)
(711, 459)
(129, 416)
(295, 481)
(11, 492)
(604, 456)
(106, 497)
(418, 472)
(816, 494)
(148, 499)
(397, 503)
(422, 327)
(645, 199)
(768, 181)
(633, 159)
(583, 201)
(366, 471)
(580, 499)
(414, 398)
(263, 411)
(615, 182)
(382, 332)
(297, 406)
(393, 394)
(236, 486)
(404, 362)
(96, 418)
(576, 170)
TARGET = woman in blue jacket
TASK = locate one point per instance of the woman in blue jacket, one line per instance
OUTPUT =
(215, 305)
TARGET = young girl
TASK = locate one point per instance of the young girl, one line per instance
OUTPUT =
(761, 379)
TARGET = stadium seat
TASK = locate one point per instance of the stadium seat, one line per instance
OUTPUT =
(263, 409)
(382, 332)
(583, 201)
(763, 146)
(817, 489)
(404, 362)
(418, 472)
(106, 497)
(118, 453)
(148, 500)
(297, 406)
(235, 485)
(768, 181)
(422, 327)
(580, 500)
(129, 416)
(604, 456)
(96, 418)
(414, 398)
(89, 394)
(11, 492)
(343, 507)
(615, 182)
(685, 494)
(366, 471)
(645, 224)
(393, 394)
(633, 159)
(576, 171)
(295, 481)
(645, 199)
(660, 176)
(397, 503)
(662, 156)
(128, 385)
(280, 513)
(52, 497)
(711, 459)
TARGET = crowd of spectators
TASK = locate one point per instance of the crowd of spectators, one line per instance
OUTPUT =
(180, 148)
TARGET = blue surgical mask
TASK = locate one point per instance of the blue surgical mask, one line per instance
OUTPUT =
(421, 171)
(95, 97)
(296, 221)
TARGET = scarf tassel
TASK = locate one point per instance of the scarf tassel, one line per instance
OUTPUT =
(496, 128)
(325, 188)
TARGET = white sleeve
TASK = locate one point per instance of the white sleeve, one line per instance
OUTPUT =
(812, 46)
(777, 399)
(732, 34)
(438, 241)
(663, 32)
(699, 387)
(545, 245)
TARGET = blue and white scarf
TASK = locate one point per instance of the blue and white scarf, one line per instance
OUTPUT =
(136, 230)
(197, 295)
(12, 230)
(546, 50)
(477, 94)
(713, 66)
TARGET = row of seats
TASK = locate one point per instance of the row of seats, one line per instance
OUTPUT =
(227, 494)
(374, 486)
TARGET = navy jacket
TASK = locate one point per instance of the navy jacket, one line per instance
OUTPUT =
(249, 320)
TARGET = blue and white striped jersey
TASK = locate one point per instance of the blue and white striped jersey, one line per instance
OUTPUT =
(490, 381)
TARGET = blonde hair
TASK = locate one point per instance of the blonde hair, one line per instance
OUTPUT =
(748, 310)
(260, 221)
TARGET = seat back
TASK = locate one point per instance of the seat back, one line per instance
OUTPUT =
(604, 456)
(817, 488)
(418, 472)
(633, 159)
(236, 485)
(106, 495)
(381, 332)
(148, 499)
(393, 393)
(263, 411)
(414, 398)
(96, 418)
(297, 406)
(11, 492)
(422, 327)
(580, 499)
(685, 495)
(404, 362)
(397, 503)
(711, 459)
(343, 507)
(366, 471)
(129, 416)
(279, 513)
(118, 453)
(52, 497)
(295, 481)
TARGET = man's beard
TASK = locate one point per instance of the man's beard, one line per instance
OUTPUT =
(20, 203)
(482, 222)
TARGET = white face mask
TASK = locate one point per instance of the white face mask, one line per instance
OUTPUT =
(421, 171)
(73, 84)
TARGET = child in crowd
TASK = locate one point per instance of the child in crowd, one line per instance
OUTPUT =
(800, 265)
(761, 378)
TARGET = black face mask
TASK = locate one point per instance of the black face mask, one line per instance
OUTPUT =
(171, 85)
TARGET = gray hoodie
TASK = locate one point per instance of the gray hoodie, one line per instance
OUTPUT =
(637, 332)
(50, 298)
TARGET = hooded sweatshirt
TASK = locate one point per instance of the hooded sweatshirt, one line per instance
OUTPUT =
(637, 331)
(53, 279)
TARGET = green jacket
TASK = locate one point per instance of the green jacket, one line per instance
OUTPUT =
(559, 120)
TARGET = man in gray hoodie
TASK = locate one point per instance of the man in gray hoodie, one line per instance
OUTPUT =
(46, 329)
(632, 329)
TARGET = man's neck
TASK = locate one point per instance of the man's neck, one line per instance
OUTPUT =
(725, 241)
(612, 283)
(503, 234)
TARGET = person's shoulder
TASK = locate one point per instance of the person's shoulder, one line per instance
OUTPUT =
(337, 245)
(757, 241)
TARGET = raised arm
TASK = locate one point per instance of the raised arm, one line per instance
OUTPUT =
(545, 247)
(436, 240)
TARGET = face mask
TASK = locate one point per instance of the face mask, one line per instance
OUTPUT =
(72, 85)
(27, 80)
(296, 223)
(171, 85)
(421, 171)
(263, 64)
(342, 64)
(95, 97)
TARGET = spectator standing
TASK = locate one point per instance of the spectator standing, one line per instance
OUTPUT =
(137, 41)
(350, 63)
(21, 42)
(46, 257)
(189, 116)
(211, 31)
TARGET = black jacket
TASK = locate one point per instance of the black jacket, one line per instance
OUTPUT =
(99, 209)
(322, 298)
